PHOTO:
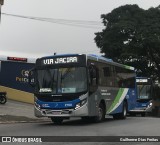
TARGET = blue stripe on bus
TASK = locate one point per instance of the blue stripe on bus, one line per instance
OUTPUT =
(58, 105)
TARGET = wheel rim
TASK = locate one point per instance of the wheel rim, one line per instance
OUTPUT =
(124, 111)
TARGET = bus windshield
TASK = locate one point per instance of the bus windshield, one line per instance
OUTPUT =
(62, 80)
(144, 91)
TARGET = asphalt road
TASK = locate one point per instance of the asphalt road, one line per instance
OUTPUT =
(132, 126)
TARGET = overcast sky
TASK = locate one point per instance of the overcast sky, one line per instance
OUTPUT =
(33, 38)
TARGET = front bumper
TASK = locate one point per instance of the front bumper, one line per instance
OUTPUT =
(140, 110)
(82, 111)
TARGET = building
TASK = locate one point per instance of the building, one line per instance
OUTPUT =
(14, 72)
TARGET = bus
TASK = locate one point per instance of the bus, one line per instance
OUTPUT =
(14, 72)
(144, 96)
(80, 85)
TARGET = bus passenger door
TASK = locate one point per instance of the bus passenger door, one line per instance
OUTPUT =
(93, 86)
(93, 79)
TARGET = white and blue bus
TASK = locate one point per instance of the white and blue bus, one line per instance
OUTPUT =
(86, 86)
(145, 94)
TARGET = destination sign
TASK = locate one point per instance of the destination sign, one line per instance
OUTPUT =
(60, 60)
(142, 80)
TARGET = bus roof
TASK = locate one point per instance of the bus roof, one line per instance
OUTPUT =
(93, 57)
(107, 60)
(61, 55)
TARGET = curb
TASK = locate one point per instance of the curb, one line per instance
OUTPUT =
(12, 122)
(9, 119)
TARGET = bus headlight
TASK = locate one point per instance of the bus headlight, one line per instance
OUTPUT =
(37, 105)
(78, 105)
(35, 98)
(150, 104)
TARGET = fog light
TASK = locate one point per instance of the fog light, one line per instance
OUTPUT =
(150, 104)
(37, 105)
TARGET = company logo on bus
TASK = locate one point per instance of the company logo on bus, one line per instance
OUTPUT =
(60, 60)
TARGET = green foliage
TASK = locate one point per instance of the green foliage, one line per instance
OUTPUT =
(132, 36)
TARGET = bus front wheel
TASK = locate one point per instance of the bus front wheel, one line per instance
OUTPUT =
(122, 115)
(101, 113)
(143, 114)
(57, 120)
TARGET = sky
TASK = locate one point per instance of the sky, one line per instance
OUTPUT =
(22, 37)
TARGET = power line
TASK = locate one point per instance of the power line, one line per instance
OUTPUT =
(76, 23)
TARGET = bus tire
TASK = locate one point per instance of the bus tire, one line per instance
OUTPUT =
(122, 115)
(57, 120)
(116, 116)
(101, 113)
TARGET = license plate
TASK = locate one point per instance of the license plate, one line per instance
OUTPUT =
(56, 112)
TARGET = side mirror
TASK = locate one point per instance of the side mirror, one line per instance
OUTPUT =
(32, 77)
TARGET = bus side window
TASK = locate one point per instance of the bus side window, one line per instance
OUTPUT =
(108, 74)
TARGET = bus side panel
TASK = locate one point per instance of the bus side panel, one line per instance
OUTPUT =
(131, 99)
(92, 107)
(118, 100)
(129, 96)
(102, 93)
(108, 94)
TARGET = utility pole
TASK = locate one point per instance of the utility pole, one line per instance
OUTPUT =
(1, 3)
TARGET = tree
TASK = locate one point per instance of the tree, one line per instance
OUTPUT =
(132, 36)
